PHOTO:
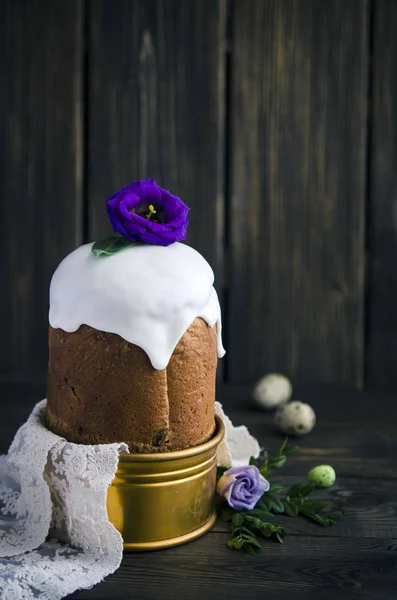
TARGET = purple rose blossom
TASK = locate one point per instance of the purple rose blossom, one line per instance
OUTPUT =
(143, 211)
(242, 487)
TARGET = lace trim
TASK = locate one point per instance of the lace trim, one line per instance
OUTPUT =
(51, 487)
(48, 485)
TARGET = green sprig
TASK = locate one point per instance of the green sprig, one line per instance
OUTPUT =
(266, 463)
(297, 503)
(247, 526)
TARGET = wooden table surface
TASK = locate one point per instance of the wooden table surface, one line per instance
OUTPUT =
(354, 559)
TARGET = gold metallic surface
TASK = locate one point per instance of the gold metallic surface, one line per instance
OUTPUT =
(162, 500)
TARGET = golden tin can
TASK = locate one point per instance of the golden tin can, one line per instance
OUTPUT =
(162, 500)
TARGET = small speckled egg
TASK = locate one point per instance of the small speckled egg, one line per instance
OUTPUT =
(295, 418)
(272, 390)
(323, 476)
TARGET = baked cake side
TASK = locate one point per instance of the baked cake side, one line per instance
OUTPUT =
(102, 389)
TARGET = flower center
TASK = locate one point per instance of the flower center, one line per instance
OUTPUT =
(151, 212)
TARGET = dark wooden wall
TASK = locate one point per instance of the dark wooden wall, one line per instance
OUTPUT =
(275, 120)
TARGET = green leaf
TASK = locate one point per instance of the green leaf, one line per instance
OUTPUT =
(256, 522)
(276, 505)
(238, 542)
(266, 529)
(320, 505)
(291, 509)
(277, 462)
(271, 503)
(264, 503)
(241, 529)
(111, 245)
(320, 520)
(247, 545)
(283, 445)
(238, 519)
(250, 550)
(252, 461)
(300, 489)
(247, 535)
(275, 488)
(253, 542)
(227, 513)
(286, 449)
(258, 512)
(279, 537)
(265, 471)
(307, 511)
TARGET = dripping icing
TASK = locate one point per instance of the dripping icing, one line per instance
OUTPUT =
(147, 294)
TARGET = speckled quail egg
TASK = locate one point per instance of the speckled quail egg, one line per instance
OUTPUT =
(323, 476)
(295, 418)
(272, 390)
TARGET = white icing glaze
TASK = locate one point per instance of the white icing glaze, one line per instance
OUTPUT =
(147, 294)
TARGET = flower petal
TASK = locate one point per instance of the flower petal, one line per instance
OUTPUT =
(245, 486)
(136, 227)
(224, 483)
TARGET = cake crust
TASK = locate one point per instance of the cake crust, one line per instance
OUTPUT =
(103, 389)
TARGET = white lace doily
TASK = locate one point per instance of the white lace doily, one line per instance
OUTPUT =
(55, 536)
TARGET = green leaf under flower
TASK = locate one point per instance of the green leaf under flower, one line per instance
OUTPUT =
(227, 513)
(237, 519)
(111, 245)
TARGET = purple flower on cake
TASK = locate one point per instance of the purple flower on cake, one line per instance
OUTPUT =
(143, 211)
(242, 487)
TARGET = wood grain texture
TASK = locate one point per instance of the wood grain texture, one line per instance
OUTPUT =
(382, 212)
(298, 144)
(301, 567)
(40, 168)
(156, 106)
(355, 559)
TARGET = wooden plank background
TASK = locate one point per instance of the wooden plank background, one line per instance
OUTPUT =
(382, 210)
(298, 146)
(40, 168)
(273, 119)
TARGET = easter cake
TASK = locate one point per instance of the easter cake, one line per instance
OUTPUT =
(135, 332)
